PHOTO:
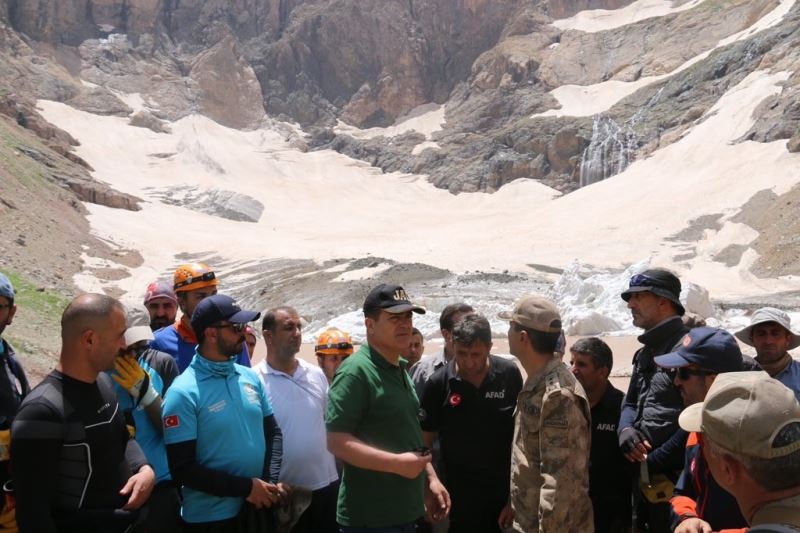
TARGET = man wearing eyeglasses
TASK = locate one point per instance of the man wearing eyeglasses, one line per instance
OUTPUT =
(298, 392)
(652, 403)
(142, 377)
(699, 504)
(192, 282)
(223, 443)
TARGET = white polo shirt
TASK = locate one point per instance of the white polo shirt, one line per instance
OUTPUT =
(299, 405)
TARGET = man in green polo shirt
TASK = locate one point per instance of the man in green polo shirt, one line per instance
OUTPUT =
(373, 427)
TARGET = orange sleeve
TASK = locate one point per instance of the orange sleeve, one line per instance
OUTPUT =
(683, 506)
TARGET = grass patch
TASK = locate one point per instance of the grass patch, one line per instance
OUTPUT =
(46, 303)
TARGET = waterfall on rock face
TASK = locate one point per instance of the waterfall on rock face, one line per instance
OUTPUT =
(613, 147)
(610, 151)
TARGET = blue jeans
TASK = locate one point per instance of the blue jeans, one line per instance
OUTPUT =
(402, 528)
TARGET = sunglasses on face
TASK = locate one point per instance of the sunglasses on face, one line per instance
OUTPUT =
(684, 373)
(208, 276)
(238, 328)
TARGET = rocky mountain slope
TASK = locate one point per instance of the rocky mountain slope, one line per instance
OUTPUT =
(557, 91)
(495, 64)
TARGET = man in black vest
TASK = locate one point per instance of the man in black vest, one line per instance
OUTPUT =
(650, 410)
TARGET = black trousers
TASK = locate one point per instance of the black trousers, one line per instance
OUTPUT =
(320, 517)
(220, 526)
(164, 509)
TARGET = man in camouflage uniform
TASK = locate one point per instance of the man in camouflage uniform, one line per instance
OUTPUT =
(550, 453)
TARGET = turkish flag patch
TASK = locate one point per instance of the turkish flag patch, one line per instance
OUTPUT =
(171, 421)
(455, 399)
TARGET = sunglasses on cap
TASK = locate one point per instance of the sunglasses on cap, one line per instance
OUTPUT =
(641, 280)
(332, 346)
(685, 372)
(238, 327)
(208, 276)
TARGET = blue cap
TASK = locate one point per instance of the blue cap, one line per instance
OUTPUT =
(217, 308)
(709, 348)
(6, 289)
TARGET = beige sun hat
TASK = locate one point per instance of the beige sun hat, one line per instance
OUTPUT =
(747, 413)
(769, 314)
(535, 312)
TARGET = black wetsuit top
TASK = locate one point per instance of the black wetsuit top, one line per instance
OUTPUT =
(70, 455)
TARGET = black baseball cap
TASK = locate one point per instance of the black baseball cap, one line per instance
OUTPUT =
(217, 308)
(709, 348)
(661, 282)
(390, 298)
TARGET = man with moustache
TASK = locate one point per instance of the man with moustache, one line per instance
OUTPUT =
(469, 405)
(770, 333)
(223, 444)
(161, 303)
(609, 471)
(373, 427)
(192, 283)
(298, 392)
(76, 468)
(699, 504)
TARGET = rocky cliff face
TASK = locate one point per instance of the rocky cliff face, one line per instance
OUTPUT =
(493, 63)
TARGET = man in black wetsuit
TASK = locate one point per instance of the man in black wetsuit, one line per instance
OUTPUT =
(75, 466)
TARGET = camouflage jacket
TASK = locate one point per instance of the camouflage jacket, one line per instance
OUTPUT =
(550, 454)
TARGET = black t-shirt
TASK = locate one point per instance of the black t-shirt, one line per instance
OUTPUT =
(71, 454)
(609, 471)
(475, 425)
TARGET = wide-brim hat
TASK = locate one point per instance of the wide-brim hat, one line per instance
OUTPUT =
(769, 314)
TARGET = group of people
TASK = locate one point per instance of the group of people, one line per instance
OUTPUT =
(154, 422)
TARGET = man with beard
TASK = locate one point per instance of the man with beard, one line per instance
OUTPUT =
(223, 444)
(699, 504)
(298, 392)
(75, 465)
(192, 282)
(770, 333)
(161, 304)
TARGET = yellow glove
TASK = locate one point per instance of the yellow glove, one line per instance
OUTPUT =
(5, 444)
(8, 521)
(132, 377)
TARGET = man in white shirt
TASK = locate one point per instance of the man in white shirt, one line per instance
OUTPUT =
(298, 393)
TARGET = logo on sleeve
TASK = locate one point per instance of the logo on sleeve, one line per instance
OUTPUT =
(455, 399)
(171, 421)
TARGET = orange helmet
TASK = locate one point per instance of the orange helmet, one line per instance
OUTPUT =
(333, 341)
(193, 276)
